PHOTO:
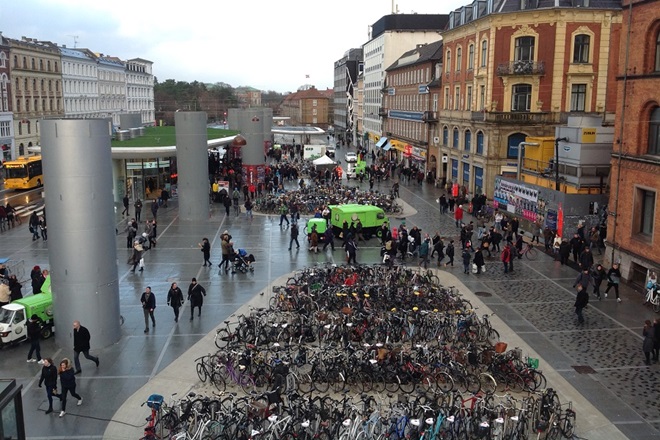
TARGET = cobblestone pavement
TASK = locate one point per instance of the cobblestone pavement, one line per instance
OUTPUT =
(535, 301)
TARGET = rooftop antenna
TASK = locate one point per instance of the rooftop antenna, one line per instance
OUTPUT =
(75, 40)
(395, 8)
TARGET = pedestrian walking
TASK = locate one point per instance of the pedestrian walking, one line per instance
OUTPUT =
(478, 260)
(613, 280)
(598, 275)
(329, 238)
(175, 300)
(131, 232)
(505, 257)
(164, 196)
(648, 332)
(283, 210)
(586, 259)
(248, 208)
(467, 257)
(227, 205)
(294, 236)
(81, 338)
(67, 384)
(458, 215)
(49, 379)
(424, 250)
(584, 279)
(581, 301)
(226, 246)
(196, 294)
(5, 294)
(450, 253)
(138, 209)
(136, 257)
(314, 240)
(564, 251)
(154, 208)
(656, 339)
(125, 201)
(34, 225)
(34, 333)
(351, 250)
(43, 227)
(205, 247)
(148, 300)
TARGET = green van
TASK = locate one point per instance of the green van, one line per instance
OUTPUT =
(372, 218)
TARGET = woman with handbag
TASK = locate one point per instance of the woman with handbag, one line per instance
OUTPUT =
(175, 300)
(136, 257)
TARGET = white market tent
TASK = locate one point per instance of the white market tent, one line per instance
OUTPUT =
(323, 160)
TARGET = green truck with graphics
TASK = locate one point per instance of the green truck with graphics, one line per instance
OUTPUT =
(372, 218)
(15, 315)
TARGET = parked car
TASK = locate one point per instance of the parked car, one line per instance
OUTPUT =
(330, 151)
(350, 157)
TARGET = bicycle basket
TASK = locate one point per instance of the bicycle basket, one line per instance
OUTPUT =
(533, 363)
(155, 401)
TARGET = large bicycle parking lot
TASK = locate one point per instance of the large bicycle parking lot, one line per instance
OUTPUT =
(532, 306)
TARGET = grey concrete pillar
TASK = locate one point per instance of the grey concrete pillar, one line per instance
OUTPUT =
(255, 125)
(82, 246)
(192, 165)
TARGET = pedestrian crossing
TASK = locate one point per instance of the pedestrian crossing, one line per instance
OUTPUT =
(27, 210)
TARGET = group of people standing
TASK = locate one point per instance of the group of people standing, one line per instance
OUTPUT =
(175, 299)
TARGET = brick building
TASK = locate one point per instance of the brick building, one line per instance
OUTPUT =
(634, 223)
(308, 107)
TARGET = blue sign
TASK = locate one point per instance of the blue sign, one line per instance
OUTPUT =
(408, 116)
(423, 89)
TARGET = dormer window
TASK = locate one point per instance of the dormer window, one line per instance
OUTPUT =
(581, 3)
(528, 4)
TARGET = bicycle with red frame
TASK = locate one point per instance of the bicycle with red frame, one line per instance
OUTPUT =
(155, 401)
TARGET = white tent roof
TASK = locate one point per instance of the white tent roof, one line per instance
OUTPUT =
(323, 160)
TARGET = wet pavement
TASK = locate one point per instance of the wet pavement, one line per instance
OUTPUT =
(535, 302)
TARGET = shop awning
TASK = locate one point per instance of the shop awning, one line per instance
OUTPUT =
(387, 146)
(382, 141)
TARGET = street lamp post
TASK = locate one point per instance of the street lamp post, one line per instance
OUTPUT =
(563, 139)
(520, 150)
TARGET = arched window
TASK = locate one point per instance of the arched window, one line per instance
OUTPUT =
(445, 136)
(455, 140)
(484, 53)
(657, 52)
(467, 145)
(480, 142)
(448, 62)
(581, 49)
(654, 132)
(514, 142)
(459, 58)
(470, 62)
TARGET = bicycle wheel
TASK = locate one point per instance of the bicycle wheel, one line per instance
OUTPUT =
(305, 384)
(321, 383)
(222, 338)
(656, 305)
(488, 383)
(378, 383)
(540, 383)
(444, 382)
(493, 336)
(568, 424)
(247, 384)
(202, 373)
(515, 383)
(531, 253)
(406, 383)
(218, 381)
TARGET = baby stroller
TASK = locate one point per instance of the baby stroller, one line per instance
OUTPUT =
(242, 262)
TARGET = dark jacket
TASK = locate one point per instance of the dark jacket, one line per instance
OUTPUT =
(582, 298)
(478, 258)
(48, 376)
(15, 289)
(175, 297)
(33, 330)
(586, 259)
(466, 256)
(68, 379)
(148, 302)
(81, 339)
(196, 294)
(206, 249)
(450, 250)
(613, 276)
(584, 279)
(294, 230)
(37, 280)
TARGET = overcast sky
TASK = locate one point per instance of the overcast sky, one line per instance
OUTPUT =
(269, 45)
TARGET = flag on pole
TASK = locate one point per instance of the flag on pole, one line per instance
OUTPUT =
(307, 76)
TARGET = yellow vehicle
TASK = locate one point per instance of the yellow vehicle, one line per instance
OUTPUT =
(24, 173)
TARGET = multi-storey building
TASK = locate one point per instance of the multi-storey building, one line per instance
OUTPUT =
(112, 88)
(518, 68)
(6, 116)
(307, 107)
(140, 89)
(248, 97)
(391, 36)
(347, 70)
(79, 83)
(358, 103)
(634, 223)
(411, 107)
(37, 93)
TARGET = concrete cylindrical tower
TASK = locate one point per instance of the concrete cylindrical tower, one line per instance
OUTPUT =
(82, 247)
(192, 165)
(255, 125)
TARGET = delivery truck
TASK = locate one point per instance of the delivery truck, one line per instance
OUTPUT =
(15, 315)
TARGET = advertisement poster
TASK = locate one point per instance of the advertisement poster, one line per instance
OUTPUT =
(518, 198)
(551, 220)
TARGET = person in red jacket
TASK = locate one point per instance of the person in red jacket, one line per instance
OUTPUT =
(458, 215)
(506, 257)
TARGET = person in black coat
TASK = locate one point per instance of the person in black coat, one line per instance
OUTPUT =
(148, 300)
(564, 251)
(175, 300)
(581, 301)
(15, 288)
(478, 259)
(34, 334)
(196, 294)
(37, 277)
(68, 384)
(205, 247)
(49, 378)
(81, 338)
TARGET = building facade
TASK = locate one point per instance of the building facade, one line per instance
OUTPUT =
(411, 105)
(347, 70)
(634, 224)
(307, 107)
(140, 90)
(112, 88)
(37, 93)
(80, 83)
(514, 69)
(6, 115)
(390, 37)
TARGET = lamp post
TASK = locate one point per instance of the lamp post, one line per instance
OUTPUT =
(557, 140)
(520, 150)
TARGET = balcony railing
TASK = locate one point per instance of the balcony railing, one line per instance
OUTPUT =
(521, 68)
(517, 117)
(430, 117)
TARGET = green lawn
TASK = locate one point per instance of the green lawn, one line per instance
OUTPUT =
(165, 137)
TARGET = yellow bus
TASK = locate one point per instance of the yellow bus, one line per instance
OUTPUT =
(23, 173)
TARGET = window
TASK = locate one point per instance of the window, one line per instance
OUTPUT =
(455, 143)
(468, 98)
(646, 208)
(468, 140)
(524, 50)
(657, 53)
(484, 53)
(457, 98)
(448, 62)
(445, 136)
(654, 132)
(482, 97)
(521, 99)
(470, 65)
(446, 106)
(581, 49)
(578, 97)
(480, 142)
(459, 58)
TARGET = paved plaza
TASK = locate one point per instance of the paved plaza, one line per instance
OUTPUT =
(618, 399)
